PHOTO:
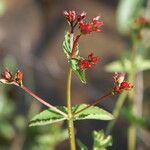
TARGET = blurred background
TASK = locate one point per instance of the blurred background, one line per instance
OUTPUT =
(31, 36)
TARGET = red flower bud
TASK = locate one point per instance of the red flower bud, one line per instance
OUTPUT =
(96, 24)
(93, 59)
(19, 77)
(85, 28)
(120, 84)
(70, 15)
(141, 20)
(119, 77)
(126, 85)
(84, 64)
(87, 63)
(6, 76)
(81, 16)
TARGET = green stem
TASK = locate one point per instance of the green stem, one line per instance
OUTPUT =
(131, 137)
(132, 128)
(116, 111)
(70, 117)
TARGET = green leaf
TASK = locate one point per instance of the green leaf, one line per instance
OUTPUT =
(81, 145)
(114, 66)
(123, 65)
(100, 140)
(66, 45)
(146, 65)
(47, 117)
(74, 64)
(81, 75)
(142, 64)
(75, 67)
(93, 112)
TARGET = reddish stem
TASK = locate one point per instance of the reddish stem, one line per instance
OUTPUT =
(42, 101)
(94, 103)
(75, 45)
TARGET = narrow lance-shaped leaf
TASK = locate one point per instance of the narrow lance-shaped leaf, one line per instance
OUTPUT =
(66, 45)
(74, 63)
(47, 117)
(93, 112)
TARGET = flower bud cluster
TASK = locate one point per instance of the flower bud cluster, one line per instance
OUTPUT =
(85, 28)
(73, 17)
(120, 83)
(89, 62)
(8, 78)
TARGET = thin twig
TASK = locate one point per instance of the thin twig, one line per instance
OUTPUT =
(95, 103)
(42, 101)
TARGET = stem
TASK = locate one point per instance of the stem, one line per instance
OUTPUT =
(75, 45)
(116, 111)
(131, 137)
(94, 103)
(132, 101)
(70, 120)
(42, 101)
(68, 94)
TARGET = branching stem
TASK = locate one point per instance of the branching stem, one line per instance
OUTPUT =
(42, 101)
(95, 102)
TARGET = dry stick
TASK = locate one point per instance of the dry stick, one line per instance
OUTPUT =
(42, 101)
(96, 102)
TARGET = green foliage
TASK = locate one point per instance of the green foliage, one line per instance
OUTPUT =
(66, 45)
(47, 117)
(73, 62)
(133, 119)
(81, 145)
(50, 116)
(100, 140)
(46, 138)
(126, 65)
(93, 112)
(142, 64)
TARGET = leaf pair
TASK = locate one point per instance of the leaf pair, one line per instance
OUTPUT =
(49, 116)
